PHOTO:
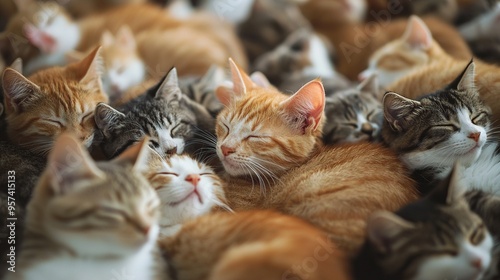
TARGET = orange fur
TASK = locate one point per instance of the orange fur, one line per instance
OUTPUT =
(253, 245)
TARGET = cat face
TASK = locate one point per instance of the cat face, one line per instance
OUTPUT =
(354, 115)
(163, 113)
(186, 187)
(96, 209)
(400, 57)
(439, 128)
(438, 237)
(123, 66)
(263, 132)
(52, 101)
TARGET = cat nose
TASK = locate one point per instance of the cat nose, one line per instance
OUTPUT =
(367, 128)
(146, 229)
(477, 263)
(172, 151)
(226, 150)
(475, 136)
(193, 179)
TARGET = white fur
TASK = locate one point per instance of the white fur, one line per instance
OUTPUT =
(116, 83)
(458, 267)
(321, 65)
(168, 143)
(358, 9)
(44, 61)
(484, 173)
(180, 9)
(459, 146)
(232, 11)
(179, 203)
(355, 137)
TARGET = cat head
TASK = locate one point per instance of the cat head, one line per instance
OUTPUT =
(263, 132)
(163, 113)
(398, 58)
(439, 128)
(95, 209)
(123, 66)
(52, 101)
(187, 188)
(437, 237)
(355, 114)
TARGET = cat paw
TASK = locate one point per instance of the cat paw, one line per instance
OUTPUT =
(40, 39)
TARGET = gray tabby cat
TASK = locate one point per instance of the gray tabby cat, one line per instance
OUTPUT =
(435, 238)
(171, 120)
(91, 220)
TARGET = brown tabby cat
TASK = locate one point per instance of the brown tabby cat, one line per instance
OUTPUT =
(52, 101)
(253, 245)
(272, 140)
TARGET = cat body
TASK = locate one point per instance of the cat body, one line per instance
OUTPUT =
(267, 142)
(66, 238)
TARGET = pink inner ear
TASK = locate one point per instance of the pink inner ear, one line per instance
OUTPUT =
(308, 102)
(417, 34)
(40, 39)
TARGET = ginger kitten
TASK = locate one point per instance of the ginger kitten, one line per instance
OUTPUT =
(269, 145)
(52, 101)
(91, 220)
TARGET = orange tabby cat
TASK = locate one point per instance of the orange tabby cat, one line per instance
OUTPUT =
(272, 139)
(52, 101)
(253, 245)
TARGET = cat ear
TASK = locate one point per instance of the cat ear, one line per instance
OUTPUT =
(450, 190)
(90, 69)
(125, 38)
(106, 116)
(417, 34)
(241, 82)
(107, 39)
(371, 85)
(384, 228)
(169, 87)
(304, 109)
(136, 155)
(399, 110)
(18, 90)
(68, 163)
(465, 81)
(260, 80)
(214, 75)
(224, 92)
(17, 65)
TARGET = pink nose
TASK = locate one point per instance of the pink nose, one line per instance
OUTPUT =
(226, 150)
(193, 179)
(477, 263)
(475, 136)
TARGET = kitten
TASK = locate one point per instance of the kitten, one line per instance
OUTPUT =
(41, 107)
(437, 237)
(253, 245)
(434, 131)
(355, 114)
(91, 220)
(187, 189)
(164, 113)
(415, 48)
(272, 140)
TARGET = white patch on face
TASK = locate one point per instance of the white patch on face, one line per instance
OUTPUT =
(458, 146)
(358, 9)
(460, 267)
(119, 78)
(65, 32)
(167, 143)
(484, 173)
(359, 135)
(321, 65)
(181, 200)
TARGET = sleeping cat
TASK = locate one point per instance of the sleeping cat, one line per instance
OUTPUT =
(435, 238)
(91, 220)
(52, 101)
(354, 114)
(269, 145)
(253, 245)
(187, 189)
(164, 113)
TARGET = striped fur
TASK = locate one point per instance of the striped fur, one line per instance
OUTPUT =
(273, 143)
(91, 220)
(52, 101)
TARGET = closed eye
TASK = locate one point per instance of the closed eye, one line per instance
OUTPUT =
(479, 118)
(227, 128)
(55, 122)
(154, 143)
(205, 174)
(447, 126)
(168, 173)
(353, 125)
(84, 118)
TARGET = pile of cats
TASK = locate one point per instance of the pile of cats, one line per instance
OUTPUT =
(254, 139)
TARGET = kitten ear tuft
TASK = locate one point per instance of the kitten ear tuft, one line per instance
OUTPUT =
(465, 81)
(136, 155)
(106, 116)
(384, 228)
(241, 82)
(304, 110)
(169, 86)
(19, 92)
(91, 69)
(399, 110)
(68, 163)
(417, 34)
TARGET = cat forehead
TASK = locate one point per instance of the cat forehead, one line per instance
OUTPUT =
(185, 163)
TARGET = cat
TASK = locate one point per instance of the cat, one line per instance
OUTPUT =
(271, 140)
(163, 112)
(437, 237)
(91, 220)
(415, 48)
(187, 189)
(18, 66)
(354, 114)
(44, 105)
(253, 245)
